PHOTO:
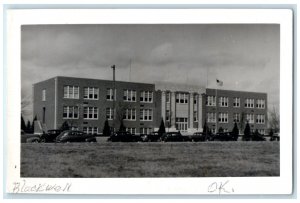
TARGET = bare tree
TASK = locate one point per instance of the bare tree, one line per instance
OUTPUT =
(243, 120)
(274, 119)
(26, 105)
(121, 108)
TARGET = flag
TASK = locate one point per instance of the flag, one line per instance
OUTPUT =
(219, 82)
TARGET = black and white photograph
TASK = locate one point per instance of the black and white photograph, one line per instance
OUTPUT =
(119, 101)
(150, 100)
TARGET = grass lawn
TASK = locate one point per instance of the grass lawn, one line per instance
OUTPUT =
(182, 159)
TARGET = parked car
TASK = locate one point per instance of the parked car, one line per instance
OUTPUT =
(173, 137)
(75, 136)
(198, 137)
(29, 138)
(50, 136)
(224, 136)
(124, 137)
(275, 137)
(152, 137)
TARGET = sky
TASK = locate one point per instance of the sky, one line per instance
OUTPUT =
(245, 57)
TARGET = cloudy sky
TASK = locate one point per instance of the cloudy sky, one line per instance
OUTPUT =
(244, 57)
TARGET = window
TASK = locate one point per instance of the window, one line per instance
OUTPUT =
(249, 103)
(250, 118)
(181, 124)
(260, 119)
(223, 117)
(211, 101)
(260, 103)
(146, 115)
(43, 95)
(110, 94)
(71, 92)
(90, 130)
(236, 117)
(131, 130)
(211, 117)
(223, 101)
(213, 130)
(145, 130)
(182, 98)
(91, 93)
(70, 112)
(129, 95)
(195, 99)
(236, 102)
(168, 96)
(146, 96)
(109, 114)
(168, 115)
(195, 116)
(90, 112)
(130, 114)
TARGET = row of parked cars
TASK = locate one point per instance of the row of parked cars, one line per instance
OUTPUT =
(58, 136)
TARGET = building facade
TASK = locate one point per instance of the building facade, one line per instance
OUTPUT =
(85, 104)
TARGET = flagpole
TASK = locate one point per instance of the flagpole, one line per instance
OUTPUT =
(217, 114)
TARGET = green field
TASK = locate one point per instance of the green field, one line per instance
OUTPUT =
(183, 159)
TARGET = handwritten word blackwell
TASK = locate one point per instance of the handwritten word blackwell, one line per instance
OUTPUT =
(22, 187)
(220, 188)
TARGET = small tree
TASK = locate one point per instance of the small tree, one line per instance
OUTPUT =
(65, 126)
(122, 127)
(23, 125)
(32, 124)
(162, 128)
(221, 130)
(106, 130)
(205, 128)
(28, 127)
(247, 132)
(235, 130)
(271, 133)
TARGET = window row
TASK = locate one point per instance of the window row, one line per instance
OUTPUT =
(223, 118)
(224, 101)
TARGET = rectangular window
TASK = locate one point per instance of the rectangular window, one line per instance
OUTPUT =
(181, 124)
(71, 92)
(261, 131)
(223, 117)
(236, 102)
(260, 103)
(70, 112)
(168, 115)
(129, 95)
(168, 97)
(195, 116)
(249, 103)
(145, 130)
(90, 130)
(211, 101)
(223, 101)
(109, 113)
(91, 93)
(182, 98)
(236, 117)
(146, 115)
(250, 118)
(110, 94)
(195, 99)
(90, 112)
(146, 96)
(131, 130)
(260, 119)
(211, 117)
(130, 115)
(44, 95)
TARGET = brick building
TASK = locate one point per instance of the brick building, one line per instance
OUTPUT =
(86, 103)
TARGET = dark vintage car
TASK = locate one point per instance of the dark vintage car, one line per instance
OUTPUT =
(75, 136)
(50, 136)
(173, 137)
(124, 137)
(224, 136)
(257, 137)
(275, 137)
(198, 137)
(152, 137)
(29, 138)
